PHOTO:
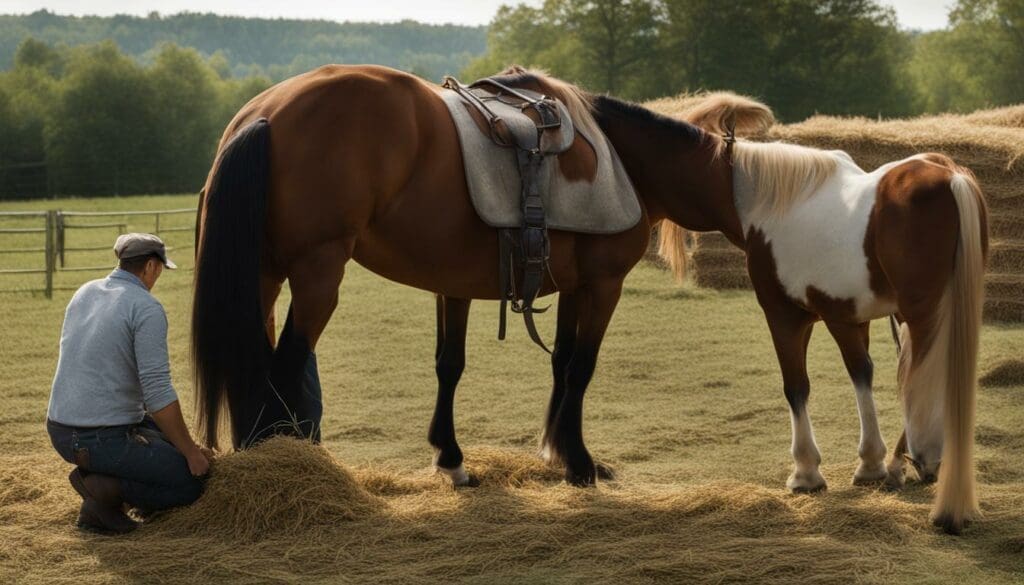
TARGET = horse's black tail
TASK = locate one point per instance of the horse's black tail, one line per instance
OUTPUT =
(230, 350)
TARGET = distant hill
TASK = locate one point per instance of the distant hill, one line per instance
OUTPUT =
(277, 48)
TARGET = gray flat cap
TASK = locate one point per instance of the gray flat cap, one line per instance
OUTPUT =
(134, 244)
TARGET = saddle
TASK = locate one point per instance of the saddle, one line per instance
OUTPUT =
(548, 132)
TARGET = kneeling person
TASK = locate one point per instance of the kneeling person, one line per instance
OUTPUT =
(113, 369)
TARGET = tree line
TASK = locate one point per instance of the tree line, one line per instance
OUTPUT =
(95, 119)
(274, 48)
(91, 120)
(845, 57)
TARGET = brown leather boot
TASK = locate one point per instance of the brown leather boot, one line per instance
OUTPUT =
(102, 509)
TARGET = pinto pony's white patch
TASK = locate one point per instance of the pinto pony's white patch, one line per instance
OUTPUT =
(813, 207)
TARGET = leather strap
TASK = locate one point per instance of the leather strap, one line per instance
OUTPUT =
(531, 250)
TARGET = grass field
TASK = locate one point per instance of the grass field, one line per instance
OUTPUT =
(686, 404)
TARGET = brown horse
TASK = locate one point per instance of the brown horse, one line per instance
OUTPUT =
(363, 163)
(828, 241)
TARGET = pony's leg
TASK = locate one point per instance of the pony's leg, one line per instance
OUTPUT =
(452, 316)
(853, 343)
(791, 332)
(314, 278)
(596, 305)
(896, 470)
(565, 343)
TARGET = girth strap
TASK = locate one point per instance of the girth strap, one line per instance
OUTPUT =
(528, 246)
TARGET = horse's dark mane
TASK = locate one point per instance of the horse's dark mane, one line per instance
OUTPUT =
(607, 108)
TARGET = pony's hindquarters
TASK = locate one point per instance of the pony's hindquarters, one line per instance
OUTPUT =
(955, 502)
(938, 361)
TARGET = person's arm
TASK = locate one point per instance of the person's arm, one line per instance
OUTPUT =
(158, 394)
(172, 425)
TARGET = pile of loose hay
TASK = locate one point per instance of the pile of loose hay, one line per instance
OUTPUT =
(989, 142)
(284, 486)
(286, 511)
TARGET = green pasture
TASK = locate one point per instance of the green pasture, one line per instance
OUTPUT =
(687, 393)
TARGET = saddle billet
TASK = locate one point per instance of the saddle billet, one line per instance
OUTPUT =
(525, 250)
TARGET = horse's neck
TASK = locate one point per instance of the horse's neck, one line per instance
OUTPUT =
(683, 182)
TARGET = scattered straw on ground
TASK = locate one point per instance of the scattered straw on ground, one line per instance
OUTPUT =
(286, 511)
(1008, 373)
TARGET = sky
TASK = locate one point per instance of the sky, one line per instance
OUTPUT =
(919, 14)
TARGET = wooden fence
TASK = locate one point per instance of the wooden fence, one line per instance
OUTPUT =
(56, 228)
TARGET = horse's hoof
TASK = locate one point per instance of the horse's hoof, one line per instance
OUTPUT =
(585, 479)
(604, 471)
(869, 475)
(459, 476)
(471, 482)
(806, 482)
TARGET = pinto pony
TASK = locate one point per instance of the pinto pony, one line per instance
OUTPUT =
(828, 241)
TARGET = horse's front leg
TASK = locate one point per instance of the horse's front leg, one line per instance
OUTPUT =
(450, 360)
(791, 331)
(564, 436)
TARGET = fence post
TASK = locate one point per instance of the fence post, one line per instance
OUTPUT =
(60, 236)
(51, 220)
(157, 232)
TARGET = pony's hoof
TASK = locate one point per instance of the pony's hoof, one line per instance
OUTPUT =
(604, 471)
(869, 475)
(806, 482)
(949, 525)
(894, 482)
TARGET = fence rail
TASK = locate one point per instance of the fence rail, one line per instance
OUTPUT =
(56, 230)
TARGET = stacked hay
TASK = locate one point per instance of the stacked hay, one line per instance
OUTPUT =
(990, 143)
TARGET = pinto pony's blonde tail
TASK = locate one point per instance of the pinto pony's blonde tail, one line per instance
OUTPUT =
(672, 248)
(955, 502)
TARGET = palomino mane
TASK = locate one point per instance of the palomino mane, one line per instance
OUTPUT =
(782, 174)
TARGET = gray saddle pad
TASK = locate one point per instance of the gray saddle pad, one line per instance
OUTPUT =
(607, 205)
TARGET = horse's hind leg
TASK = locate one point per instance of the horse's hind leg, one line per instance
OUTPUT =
(597, 303)
(450, 357)
(853, 343)
(791, 332)
(565, 345)
(295, 406)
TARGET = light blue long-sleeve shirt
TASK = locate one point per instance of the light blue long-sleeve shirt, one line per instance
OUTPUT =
(113, 364)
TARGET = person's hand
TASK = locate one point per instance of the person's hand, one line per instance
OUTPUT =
(198, 464)
(208, 452)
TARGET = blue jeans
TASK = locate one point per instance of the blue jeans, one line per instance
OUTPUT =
(154, 474)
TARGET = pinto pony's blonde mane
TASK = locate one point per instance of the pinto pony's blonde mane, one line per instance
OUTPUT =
(782, 174)
(719, 113)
